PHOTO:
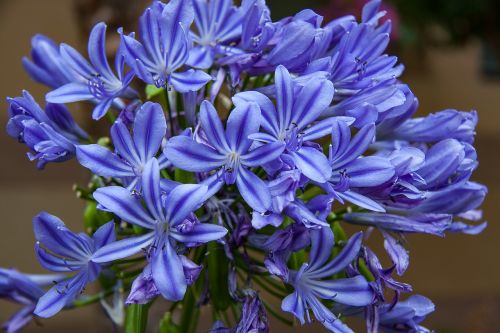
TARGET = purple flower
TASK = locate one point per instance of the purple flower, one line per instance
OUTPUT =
(24, 289)
(293, 121)
(218, 24)
(229, 151)
(47, 65)
(60, 250)
(311, 282)
(169, 222)
(164, 47)
(94, 82)
(132, 153)
(50, 135)
(350, 170)
(406, 315)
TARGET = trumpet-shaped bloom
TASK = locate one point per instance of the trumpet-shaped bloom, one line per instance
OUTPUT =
(132, 153)
(169, 222)
(50, 135)
(218, 23)
(292, 121)
(94, 82)
(164, 47)
(228, 151)
(60, 250)
(311, 282)
(24, 289)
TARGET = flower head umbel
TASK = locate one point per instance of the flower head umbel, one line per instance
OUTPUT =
(228, 152)
(94, 81)
(311, 282)
(164, 47)
(60, 250)
(132, 153)
(170, 223)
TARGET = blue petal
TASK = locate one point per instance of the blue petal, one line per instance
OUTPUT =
(104, 235)
(51, 232)
(123, 248)
(168, 273)
(190, 80)
(59, 295)
(76, 61)
(102, 162)
(312, 163)
(348, 254)
(71, 92)
(268, 112)
(369, 171)
(293, 303)
(253, 190)
(284, 97)
(101, 108)
(150, 128)
(242, 121)
(122, 203)
(311, 101)
(361, 200)
(353, 291)
(212, 127)
(183, 200)
(189, 155)
(97, 51)
(124, 145)
(321, 247)
(200, 233)
(55, 264)
(151, 189)
(263, 154)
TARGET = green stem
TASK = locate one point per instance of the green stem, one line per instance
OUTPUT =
(93, 299)
(136, 318)
(268, 288)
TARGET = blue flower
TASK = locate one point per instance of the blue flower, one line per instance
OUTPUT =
(24, 289)
(406, 315)
(350, 170)
(94, 82)
(47, 65)
(50, 135)
(293, 121)
(60, 250)
(311, 284)
(218, 24)
(132, 153)
(165, 46)
(170, 223)
(228, 151)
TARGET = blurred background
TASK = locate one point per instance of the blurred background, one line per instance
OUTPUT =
(451, 49)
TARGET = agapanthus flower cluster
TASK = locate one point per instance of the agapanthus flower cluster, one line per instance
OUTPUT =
(239, 147)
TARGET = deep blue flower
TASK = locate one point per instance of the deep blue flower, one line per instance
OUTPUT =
(47, 66)
(164, 47)
(60, 250)
(312, 283)
(132, 153)
(170, 223)
(24, 289)
(94, 82)
(218, 24)
(51, 135)
(350, 170)
(406, 315)
(294, 121)
(228, 151)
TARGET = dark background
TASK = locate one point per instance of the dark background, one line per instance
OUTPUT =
(448, 66)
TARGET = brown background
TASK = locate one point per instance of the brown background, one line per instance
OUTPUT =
(460, 273)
